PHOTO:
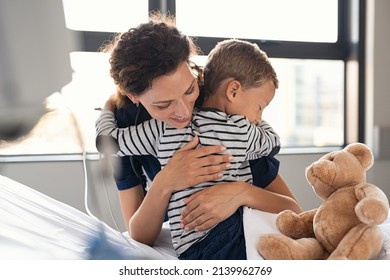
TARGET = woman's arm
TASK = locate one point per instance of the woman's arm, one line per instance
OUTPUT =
(189, 166)
(213, 205)
(130, 200)
(145, 224)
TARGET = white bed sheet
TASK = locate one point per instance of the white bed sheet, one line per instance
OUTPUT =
(35, 226)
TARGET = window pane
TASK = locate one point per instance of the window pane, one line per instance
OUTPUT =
(299, 20)
(106, 16)
(308, 108)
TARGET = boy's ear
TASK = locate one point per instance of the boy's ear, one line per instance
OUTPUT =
(232, 89)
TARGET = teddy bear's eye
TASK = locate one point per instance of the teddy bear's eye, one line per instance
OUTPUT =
(331, 156)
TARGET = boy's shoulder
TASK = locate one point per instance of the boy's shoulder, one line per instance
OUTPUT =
(215, 115)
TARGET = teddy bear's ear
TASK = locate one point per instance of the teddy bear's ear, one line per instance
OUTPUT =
(363, 153)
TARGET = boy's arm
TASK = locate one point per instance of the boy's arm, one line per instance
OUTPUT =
(262, 141)
(105, 124)
(133, 140)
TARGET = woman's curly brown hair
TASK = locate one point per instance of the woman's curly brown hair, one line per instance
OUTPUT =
(146, 52)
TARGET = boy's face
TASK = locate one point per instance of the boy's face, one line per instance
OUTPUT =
(253, 101)
(172, 97)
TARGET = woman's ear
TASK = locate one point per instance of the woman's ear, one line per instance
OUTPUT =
(232, 90)
(133, 98)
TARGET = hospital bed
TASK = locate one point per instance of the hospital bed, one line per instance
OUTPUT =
(35, 226)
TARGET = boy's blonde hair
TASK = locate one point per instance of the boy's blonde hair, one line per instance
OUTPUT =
(240, 60)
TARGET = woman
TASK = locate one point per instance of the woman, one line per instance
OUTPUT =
(144, 61)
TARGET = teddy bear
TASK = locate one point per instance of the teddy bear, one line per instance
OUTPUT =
(345, 225)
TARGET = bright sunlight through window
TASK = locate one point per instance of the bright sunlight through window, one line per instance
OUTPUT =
(308, 109)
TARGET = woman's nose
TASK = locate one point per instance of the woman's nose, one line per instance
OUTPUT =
(183, 109)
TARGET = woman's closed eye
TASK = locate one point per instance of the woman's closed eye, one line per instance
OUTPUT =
(163, 106)
(191, 90)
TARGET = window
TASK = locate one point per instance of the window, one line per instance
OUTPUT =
(286, 20)
(104, 16)
(309, 43)
(309, 105)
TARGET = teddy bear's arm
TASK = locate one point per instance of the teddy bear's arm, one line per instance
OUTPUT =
(296, 225)
(373, 205)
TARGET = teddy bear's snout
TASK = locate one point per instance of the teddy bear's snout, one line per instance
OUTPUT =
(324, 171)
(321, 176)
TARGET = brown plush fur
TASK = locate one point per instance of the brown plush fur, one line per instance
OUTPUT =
(345, 226)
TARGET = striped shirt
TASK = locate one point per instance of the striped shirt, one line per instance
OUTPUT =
(242, 140)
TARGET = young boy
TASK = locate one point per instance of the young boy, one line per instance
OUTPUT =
(239, 82)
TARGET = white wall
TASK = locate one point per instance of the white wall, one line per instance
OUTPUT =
(65, 180)
(378, 85)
